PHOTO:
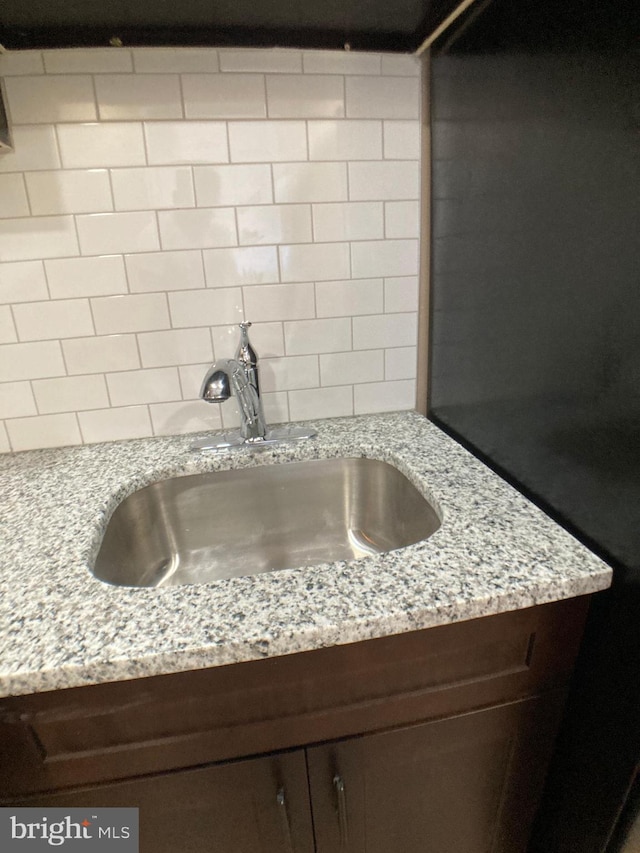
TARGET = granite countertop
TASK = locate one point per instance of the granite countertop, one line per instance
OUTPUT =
(61, 627)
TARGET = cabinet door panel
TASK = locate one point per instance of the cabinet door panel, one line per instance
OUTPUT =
(467, 784)
(255, 806)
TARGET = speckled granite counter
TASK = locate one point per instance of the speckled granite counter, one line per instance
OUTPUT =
(60, 627)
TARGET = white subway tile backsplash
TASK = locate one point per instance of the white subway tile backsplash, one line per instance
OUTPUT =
(349, 298)
(401, 294)
(184, 417)
(388, 180)
(152, 188)
(178, 346)
(13, 197)
(314, 262)
(349, 368)
(86, 146)
(267, 141)
(111, 233)
(43, 431)
(402, 219)
(158, 60)
(348, 221)
(127, 97)
(162, 271)
(40, 237)
(5, 445)
(16, 400)
(231, 185)
(383, 97)
(224, 96)
(321, 403)
(101, 354)
(34, 147)
(401, 65)
(42, 100)
(305, 337)
(284, 223)
(41, 321)
(345, 140)
(267, 339)
(115, 424)
(304, 182)
(90, 61)
(136, 313)
(213, 307)
(340, 62)
(289, 373)
(102, 276)
(197, 229)
(74, 191)
(302, 96)
(70, 394)
(384, 258)
(270, 61)
(400, 363)
(22, 282)
(385, 330)
(401, 140)
(233, 267)
(191, 377)
(384, 396)
(186, 142)
(18, 62)
(134, 387)
(278, 302)
(31, 361)
(8, 333)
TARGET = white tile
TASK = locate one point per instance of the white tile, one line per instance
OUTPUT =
(340, 62)
(5, 444)
(267, 141)
(178, 346)
(70, 394)
(126, 97)
(83, 146)
(41, 321)
(300, 182)
(314, 262)
(92, 61)
(305, 337)
(73, 191)
(385, 258)
(191, 376)
(197, 229)
(300, 96)
(213, 307)
(277, 302)
(360, 220)
(248, 265)
(224, 96)
(41, 100)
(17, 62)
(284, 223)
(115, 424)
(140, 313)
(230, 185)
(400, 363)
(101, 354)
(276, 407)
(290, 373)
(102, 276)
(349, 298)
(158, 60)
(116, 233)
(401, 294)
(398, 65)
(23, 282)
(16, 400)
(40, 237)
(401, 140)
(393, 180)
(152, 188)
(31, 361)
(347, 368)
(8, 333)
(402, 219)
(262, 60)
(13, 197)
(385, 330)
(134, 387)
(34, 147)
(43, 431)
(158, 271)
(384, 396)
(184, 417)
(321, 403)
(345, 140)
(186, 142)
(266, 338)
(383, 97)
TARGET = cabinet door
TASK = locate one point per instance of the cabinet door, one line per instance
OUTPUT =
(466, 784)
(255, 806)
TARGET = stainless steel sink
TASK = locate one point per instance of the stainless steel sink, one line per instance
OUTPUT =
(200, 528)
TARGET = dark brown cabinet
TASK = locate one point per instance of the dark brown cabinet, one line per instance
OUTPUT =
(431, 742)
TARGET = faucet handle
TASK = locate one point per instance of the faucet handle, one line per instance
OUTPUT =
(246, 355)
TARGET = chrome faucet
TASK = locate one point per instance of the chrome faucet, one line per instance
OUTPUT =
(239, 376)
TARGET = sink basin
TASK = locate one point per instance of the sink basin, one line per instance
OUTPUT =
(204, 527)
